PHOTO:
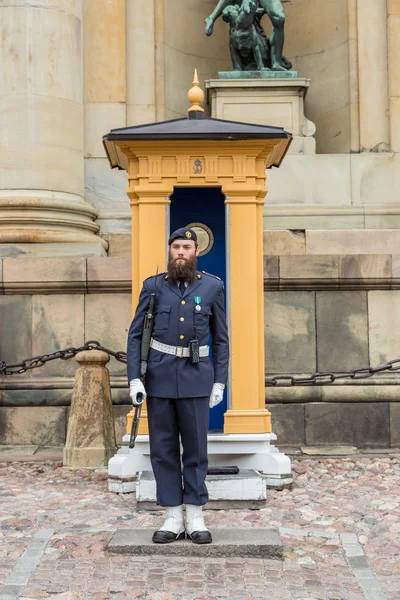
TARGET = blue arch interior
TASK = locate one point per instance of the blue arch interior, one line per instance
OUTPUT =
(204, 205)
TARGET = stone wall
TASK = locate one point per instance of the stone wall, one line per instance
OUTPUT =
(323, 312)
(186, 45)
(346, 48)
(50, 304)
(128, 62)
(317, 42)
(158, 44)
(330, 313)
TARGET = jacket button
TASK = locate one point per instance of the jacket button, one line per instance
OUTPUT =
(181, 337)
(183, 302)
(182, 319)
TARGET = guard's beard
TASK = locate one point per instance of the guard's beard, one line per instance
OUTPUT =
(183, 270)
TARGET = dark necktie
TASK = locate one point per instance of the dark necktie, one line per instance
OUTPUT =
(182, 287)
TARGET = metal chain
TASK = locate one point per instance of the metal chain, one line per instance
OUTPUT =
(328, 378)
(38, 361)
(278, 380)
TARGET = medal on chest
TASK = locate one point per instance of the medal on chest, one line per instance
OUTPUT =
(197, 300)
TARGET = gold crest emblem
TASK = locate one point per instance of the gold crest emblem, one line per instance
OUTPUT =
(188, 234)
(197, 167)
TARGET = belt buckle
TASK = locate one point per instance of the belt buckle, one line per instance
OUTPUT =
(179, 352)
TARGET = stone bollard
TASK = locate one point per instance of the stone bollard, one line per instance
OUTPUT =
(91, 432)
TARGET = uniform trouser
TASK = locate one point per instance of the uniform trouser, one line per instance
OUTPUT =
(167, 420)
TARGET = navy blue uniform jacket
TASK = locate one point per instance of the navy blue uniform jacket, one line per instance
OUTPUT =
(175, 316)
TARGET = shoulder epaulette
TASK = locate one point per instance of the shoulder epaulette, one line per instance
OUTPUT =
(211, 275)
(158, 275)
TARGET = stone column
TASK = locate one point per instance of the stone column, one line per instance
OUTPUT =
(373, 74)
(42, 208)
(91, 432)
(394, 73)
(140, 54)
(104, 94)
(159, 43)
(353, 77)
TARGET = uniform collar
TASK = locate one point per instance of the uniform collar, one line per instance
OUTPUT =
(192, 285)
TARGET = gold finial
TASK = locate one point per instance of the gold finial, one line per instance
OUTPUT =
(195, 95)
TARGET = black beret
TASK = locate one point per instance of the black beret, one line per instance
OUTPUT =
(183, 234)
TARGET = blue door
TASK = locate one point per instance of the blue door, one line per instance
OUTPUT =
(204, 209)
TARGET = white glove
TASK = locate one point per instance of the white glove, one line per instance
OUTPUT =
(137, 387)
(217, 394)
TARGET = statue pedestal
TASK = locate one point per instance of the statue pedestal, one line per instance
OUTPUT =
(276, 102)
(257, 74)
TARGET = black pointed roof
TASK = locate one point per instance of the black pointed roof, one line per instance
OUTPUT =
(194, 128)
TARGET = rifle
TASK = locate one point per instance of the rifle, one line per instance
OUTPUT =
(144, 357)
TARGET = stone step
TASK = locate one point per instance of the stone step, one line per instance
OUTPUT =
(245, 490)
(254, 543)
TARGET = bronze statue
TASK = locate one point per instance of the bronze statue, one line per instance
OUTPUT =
(249, 46)
(244, 17)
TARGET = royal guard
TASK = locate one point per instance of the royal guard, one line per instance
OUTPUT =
(182, 382)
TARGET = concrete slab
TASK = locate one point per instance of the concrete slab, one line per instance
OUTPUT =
(328, 450)
(254, 542)
(5, 450)
(25, 454)
(151, 505)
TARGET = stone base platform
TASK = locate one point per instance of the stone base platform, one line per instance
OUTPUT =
(246, 451)
(264, 74)
(51, 250)
(254, 543)
(246, 490)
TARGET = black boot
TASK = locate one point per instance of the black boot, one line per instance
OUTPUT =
(195, 527)
(173, 528)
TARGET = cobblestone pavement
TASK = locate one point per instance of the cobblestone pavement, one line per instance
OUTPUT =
(340, 525)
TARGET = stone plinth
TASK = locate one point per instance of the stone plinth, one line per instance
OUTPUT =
(253, 543)
(44, 223)
(257, 74)
(277, 102)
(91, 434)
